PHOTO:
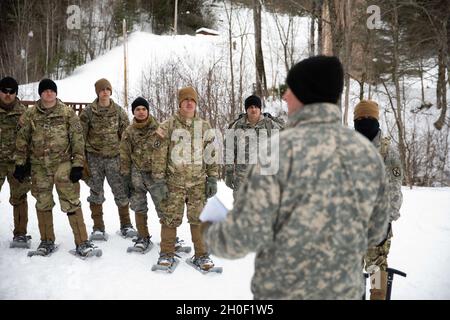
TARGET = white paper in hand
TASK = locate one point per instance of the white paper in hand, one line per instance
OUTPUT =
(214, 210)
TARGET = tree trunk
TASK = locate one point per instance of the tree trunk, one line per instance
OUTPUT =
(261, 84)
(398, 111)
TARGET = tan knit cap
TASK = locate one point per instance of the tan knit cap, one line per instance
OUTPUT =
(102, 84)
(366, 108)
(187, 93)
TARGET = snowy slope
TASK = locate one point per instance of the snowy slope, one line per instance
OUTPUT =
(421, 248)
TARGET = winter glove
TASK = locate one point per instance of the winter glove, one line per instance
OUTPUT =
(229, 180)
(126, 181)
(211, 186)
(75, 174)
(159, 191)
(20, 173)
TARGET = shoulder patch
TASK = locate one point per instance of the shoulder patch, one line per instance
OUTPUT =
(396, 172)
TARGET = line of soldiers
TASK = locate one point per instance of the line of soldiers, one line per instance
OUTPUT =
(54, 146)
(48, 145)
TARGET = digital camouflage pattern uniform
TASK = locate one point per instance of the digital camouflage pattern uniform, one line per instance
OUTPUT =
(186, 182)
(9, 126)
(53, 139)
(103, 128)
(238, 170)
(143, 156)
(377, 255)
(312, 222)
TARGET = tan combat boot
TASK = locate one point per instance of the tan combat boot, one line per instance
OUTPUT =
(124, 216)
(97, 216)
(78, 227)
(45, 222)
(380, 293)
(141, 224)
(197, 240)
(20, 219)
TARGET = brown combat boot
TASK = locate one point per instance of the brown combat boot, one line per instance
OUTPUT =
(78, 227)
(97, 216)
(168, 239)
(197, 240)
(45, 222)
(141, 224)
(20, 219)
(380, 293)
(124, 216)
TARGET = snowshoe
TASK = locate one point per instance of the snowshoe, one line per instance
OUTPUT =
(86, 249)
(21, 242)
(141, 245)
(204, 264)
(180, 247)
(166, 262)
(98, 235)
(127, 231)
(45, 249)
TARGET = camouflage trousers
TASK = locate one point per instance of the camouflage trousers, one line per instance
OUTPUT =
(42, 181)
(172, 209)
(141, 182)
(378, 255)
(101, 167)
(17, 191)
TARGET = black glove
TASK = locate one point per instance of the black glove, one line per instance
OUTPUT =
(211, 186)
(126, 181)
(75, 174)
(159, 191)
(20, 172)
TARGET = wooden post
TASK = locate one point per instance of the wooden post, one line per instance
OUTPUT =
(125, 64)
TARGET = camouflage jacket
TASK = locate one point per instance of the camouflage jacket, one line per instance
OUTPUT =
(239, 168)
(311, 223)
(9, 126)
(144, 146)
(186, 165)
(50, 137)
(394, 172)
(103, 132)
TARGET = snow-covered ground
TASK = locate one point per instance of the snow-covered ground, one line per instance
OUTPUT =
(420, 247)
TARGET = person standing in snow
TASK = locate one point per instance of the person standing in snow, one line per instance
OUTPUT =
(190, 181)
(10, 112)
(52, 137)
(251, 121)
(143, 160)
(310, 223)
(366, 117)
(104, 122)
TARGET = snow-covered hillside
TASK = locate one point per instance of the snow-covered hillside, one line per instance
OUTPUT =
(420, 247)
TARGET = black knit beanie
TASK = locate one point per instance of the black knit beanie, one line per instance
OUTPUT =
(139, 101)
(47, 84)
(317, 79)
(252, 101)
(9, 83)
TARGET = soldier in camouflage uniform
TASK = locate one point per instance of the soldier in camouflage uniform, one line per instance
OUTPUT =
(366, 116)
(10, 112)
(311, 223)
(103, 123)
(52, 137)
(251, 121)
(143, 159)
(191, 181)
